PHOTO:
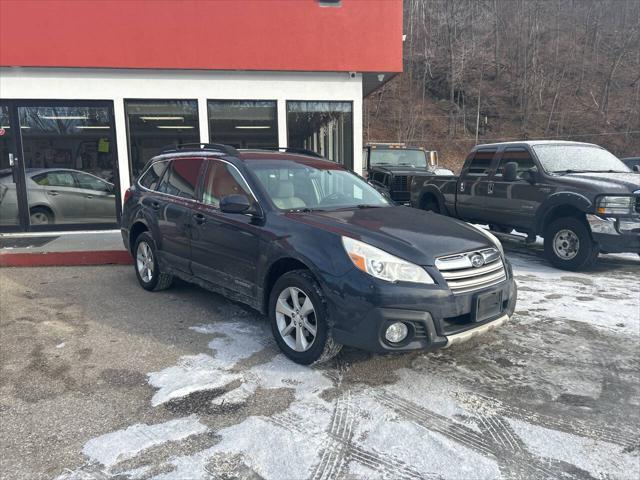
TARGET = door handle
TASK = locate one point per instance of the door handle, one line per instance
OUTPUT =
(53, 193)
(199, 218)
(89, 196)
(490, 188)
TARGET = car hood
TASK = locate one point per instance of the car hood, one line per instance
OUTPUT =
(403, 170)
(620, 183)
(414, 235)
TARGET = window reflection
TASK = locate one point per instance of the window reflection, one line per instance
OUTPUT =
(8, 197)
(154, 124)
(244, 123)
(70, 163)
(324, 127)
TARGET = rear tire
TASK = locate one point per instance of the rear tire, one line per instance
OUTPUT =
(568, 244)
(299, 319)
(146, 264)
(500, 229)
(431, 205)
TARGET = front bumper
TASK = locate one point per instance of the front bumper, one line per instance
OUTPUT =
(361, 309)
(616, 234)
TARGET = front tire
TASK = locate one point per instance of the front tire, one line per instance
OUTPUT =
(146, 265)
(568, 244)
(41, 216)
(299, 319)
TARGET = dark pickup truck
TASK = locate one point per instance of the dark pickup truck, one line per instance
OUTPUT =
(578, 196)
(390, 168)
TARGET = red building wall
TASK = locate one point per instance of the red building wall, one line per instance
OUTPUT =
(292, 35)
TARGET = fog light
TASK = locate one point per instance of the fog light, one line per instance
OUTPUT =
(396, 332)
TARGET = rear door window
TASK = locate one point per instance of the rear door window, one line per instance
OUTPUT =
(481, 163)
(152, 176)
(59, 178)
(181, 178)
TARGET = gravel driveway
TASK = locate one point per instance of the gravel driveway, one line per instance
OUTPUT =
(101, 379)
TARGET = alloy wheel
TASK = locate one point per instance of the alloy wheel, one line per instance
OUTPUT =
(39, 218)
(566, 244)
(296, 319)
(144, 262)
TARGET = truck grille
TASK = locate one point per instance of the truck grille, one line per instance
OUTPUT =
(399, 183)
(462, 274)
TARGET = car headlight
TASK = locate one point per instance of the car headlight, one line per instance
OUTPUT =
(615, 205)
(492, 238)
(383, 265)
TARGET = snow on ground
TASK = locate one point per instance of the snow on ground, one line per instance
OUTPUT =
(543, 397)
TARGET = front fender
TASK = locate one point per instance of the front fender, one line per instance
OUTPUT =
(561, 199)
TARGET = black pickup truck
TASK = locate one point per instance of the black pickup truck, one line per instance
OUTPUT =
(578, 196)
(390, 168)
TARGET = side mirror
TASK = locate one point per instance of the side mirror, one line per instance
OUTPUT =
(235, 204)
(510, 173)
(636, 168)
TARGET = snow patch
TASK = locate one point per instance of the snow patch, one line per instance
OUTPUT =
(115, 447)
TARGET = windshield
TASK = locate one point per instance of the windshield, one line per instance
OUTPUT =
(578, 158)
(313, 185)
(398, 157)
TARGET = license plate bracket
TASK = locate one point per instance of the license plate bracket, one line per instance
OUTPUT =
(487, 305)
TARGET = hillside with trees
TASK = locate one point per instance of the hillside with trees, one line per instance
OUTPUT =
(481, 71)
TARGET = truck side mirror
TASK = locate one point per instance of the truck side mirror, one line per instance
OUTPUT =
(510, 173)
(636, 168)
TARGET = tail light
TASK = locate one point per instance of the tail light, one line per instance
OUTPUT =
(128, 194)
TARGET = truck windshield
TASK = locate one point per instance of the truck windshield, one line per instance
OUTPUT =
(577, 159)
(313, 185)
(398, 157)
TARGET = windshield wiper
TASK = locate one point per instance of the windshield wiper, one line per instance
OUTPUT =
(588, 171)
(366, 205)
(305, 210)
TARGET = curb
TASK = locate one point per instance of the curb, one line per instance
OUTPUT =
(67, 259)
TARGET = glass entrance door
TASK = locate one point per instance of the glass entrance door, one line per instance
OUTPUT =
(65, 172)
(11, 187)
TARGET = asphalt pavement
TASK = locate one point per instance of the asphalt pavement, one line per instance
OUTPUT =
(101, 379)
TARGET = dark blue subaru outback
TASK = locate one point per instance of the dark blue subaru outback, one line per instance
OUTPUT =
(317, 249)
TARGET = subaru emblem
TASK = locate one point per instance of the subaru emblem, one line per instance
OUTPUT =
(477, 260)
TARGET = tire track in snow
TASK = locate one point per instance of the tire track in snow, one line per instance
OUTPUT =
(572, 425)
(497, 440)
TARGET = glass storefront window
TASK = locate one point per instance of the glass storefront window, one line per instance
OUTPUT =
(70, 163)
(243, 123)
(8, 193)
(324, 127)
(154, 124)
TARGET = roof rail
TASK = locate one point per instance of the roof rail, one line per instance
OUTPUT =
(213, 147)
(303, 151)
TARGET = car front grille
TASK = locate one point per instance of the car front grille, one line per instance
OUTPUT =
(399, 183)
(470, 271)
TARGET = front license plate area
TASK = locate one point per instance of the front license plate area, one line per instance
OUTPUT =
(488, 305)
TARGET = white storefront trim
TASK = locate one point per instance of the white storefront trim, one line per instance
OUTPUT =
(119, 84)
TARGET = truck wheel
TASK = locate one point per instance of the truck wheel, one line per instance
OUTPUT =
(431, 205)
(500, 229)
(300, 320)
(568, 244)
